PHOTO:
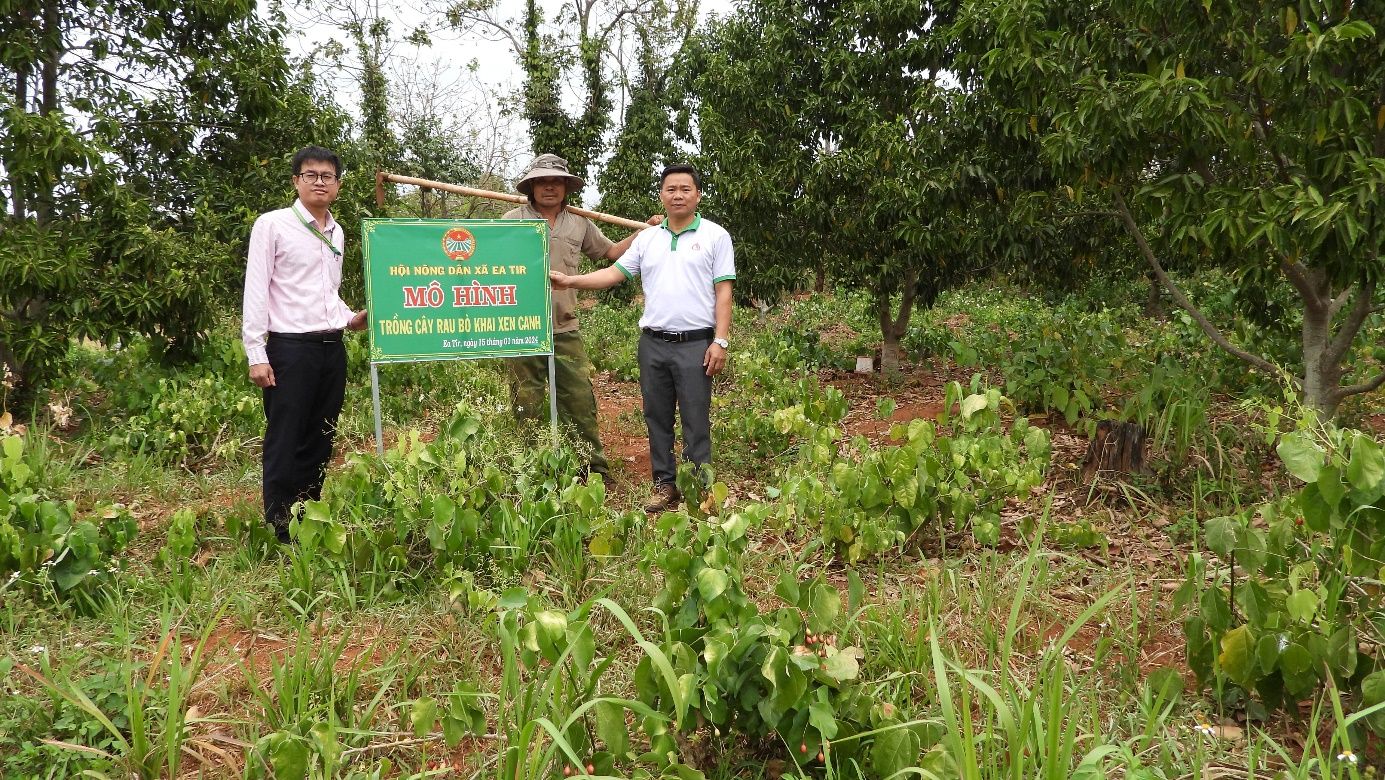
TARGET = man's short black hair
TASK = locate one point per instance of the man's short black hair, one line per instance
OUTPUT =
(315, 154)
(681, 168)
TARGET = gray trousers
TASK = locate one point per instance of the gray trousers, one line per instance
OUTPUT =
(672, 373)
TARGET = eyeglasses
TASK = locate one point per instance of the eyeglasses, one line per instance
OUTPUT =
(313, 177)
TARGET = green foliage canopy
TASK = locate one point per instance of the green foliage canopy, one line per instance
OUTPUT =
(1240, 133)
(138, 142)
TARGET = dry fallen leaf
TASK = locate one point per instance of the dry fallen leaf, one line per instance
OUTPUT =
(1229, 732)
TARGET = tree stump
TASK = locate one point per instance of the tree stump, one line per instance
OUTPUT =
(1117, 449)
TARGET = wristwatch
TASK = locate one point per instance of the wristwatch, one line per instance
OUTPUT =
(723, 343)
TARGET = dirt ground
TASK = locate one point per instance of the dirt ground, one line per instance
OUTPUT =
(1134, 538)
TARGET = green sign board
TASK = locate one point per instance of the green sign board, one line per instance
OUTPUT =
(453, 289)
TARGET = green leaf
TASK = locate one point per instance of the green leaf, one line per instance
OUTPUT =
(675, 560)
(610, 727)
(894, 751)
(735, 526)
(70, 573)
(444, 509)
(1330, 485)
(720, 492)
(825, 609)
(1267, 652)
(1220, 535)
(787, 587)
(821, 717)
(289, 758)
(1301, 455)
(583, 646)
(602, 545)
(885, 408)
(1165, 685)
(1317, 514)
(334, 537)
(712, 583)
(972, 404)
(324, 737)
(855, 591)
(683, 772)
(1373, 693)
(1341, 652)
(1060, 397)
(906, 491)
(1236, 658)
(1298, 667)
(1302, 605)
(422, 715)
(1367, 465)
(513, 598)
(551, 632)
(842, 665)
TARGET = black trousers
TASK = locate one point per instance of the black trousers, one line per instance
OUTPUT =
(301, 411)
(672, 375)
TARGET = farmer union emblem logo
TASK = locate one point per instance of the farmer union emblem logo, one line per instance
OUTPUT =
(458, 244)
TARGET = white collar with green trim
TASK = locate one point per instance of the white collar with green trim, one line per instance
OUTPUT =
(694, 225)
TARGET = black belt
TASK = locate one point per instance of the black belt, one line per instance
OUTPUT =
(703, 334)
(320, 336)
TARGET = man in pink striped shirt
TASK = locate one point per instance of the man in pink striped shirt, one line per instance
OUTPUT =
(292, 328)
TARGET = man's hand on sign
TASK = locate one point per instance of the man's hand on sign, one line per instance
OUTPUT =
(357, 322)
(262, 375)
(560, 280)
(714, 359)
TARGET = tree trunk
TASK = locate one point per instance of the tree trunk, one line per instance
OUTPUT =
(1154, 301)
(1321, 378)
(1116, 449)
(889, 354)
(19, 398)
(820, 282)
(48, 92)
(893, 328)
(18, 203)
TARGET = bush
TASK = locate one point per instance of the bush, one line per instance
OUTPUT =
(46, 548)
(1305, 605)
(959, 472)
(476, 498)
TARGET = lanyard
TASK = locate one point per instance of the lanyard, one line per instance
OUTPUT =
(313, 229)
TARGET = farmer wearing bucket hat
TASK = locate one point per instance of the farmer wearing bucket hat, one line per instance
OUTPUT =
(548, 184)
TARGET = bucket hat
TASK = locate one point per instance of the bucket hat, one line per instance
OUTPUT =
(545, 166)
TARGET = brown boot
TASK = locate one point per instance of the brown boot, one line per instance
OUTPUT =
(664, 498)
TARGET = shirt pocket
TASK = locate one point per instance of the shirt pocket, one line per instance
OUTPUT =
(567, 255)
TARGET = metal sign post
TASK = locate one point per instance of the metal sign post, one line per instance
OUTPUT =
(553, 396)
(375, 402)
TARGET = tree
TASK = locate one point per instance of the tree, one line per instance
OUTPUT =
(366, 25)
(823, 130)
(127, 138)
(645, 143)
(1241, 134)
(588, 37)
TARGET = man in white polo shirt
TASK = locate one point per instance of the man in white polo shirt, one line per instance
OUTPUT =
(686, 267)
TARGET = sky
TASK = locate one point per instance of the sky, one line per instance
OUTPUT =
(469, 75)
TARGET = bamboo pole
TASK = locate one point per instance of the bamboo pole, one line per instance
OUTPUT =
(383, 177)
